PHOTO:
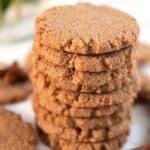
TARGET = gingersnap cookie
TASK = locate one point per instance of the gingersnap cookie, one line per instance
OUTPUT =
(59, 144)
(67, 79)
(58, 108)
(143, 53)
(78, 29)
(96, 63)
(144, 93)
(80, 122)
(14, 83)
(15, 134)
(84, 100)
(84, 134)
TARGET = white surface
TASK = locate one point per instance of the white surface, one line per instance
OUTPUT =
(140, 113)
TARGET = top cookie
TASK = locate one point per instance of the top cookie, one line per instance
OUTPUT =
(86, 29)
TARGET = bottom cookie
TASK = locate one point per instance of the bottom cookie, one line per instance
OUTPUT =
(59, 144)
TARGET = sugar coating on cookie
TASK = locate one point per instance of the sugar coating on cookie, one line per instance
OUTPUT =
(86, 29)
(14, 133)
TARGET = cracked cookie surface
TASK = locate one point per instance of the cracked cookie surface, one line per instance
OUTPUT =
(84, 100)
(66, 110)
(81, 122)
(84, 134)
(60, 144)
(89, 63)
(87, 82)
(78, 29)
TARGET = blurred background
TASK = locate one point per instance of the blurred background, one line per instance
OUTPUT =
(17, 29)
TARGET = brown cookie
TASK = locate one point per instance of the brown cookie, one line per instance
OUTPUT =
(144, 93)
(143, 53)
(58, 108)
(67, 79)
(15, 134)
(96, 63)
(84, 135)
(80, 122)
(84, 100)
(59, 144)
(14, 83)
(78, 29)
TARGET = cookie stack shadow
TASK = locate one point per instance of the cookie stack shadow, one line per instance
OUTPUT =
(84, 87)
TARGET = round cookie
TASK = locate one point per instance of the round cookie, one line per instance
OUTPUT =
(84, 100)
(58, 108)
(13, 80)
(78, 29)
(80, 122)
(84, 135)
(83, 81)
(96, 63)
(15, 134)
(59, 144)
(143, 53)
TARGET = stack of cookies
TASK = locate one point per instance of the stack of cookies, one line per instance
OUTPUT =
(84, 76)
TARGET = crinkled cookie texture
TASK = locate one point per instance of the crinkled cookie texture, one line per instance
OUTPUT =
(81, 122)
(85, 100)
(60, 144)
(73, 80)
(83, 134)
(96, 63)
(14, 83)
(66, 110)
(86, 29)
(15, 134)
